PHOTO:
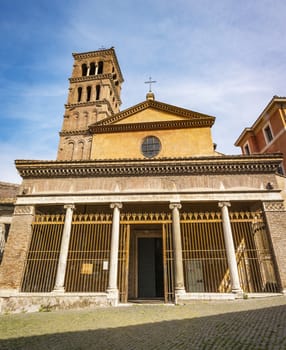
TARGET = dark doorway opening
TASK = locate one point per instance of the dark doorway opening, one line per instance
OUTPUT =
(150, 268)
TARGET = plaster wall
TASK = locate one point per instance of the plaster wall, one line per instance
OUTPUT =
(175, 143)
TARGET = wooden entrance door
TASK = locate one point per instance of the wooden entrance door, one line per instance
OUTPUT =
(150, 268)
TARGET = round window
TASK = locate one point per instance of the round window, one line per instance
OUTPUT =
(151, 146)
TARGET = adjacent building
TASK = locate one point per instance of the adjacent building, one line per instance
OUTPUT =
(268, 133)
(139, 205)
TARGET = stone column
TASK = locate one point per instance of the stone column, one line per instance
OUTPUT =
(229, 245)
(112, 288)
(177, 243)
(61, 272)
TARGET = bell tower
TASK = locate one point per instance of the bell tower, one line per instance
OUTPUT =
(94, 94)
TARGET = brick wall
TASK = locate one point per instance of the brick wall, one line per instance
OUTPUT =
(8, 190)
(16, 248)
(276, 222)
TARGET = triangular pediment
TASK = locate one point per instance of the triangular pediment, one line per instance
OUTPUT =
(153, 114)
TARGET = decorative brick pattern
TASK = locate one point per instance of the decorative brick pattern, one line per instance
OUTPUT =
(273, 206)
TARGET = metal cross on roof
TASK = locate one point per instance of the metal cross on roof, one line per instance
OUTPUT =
(150, 82)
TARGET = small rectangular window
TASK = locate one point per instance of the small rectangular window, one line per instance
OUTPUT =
(246, 149)
(268, 134)
(280, 169)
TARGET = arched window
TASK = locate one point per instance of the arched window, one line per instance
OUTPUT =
(80, 150)
(92, 68)
(66, 121)
(97, 92)
(86, 117)
(70, 150)
(79, 93)
(87, 149)
(88, 93)
(100, 67)
(84, 69)
(77, 121)
(93, 117)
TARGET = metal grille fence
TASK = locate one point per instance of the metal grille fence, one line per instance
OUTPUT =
(89, 251)
(253, 254)
(168, 261)
(123, 262)
(204, 255)
(42, 259)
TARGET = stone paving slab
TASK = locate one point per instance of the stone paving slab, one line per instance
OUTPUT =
(240, 324)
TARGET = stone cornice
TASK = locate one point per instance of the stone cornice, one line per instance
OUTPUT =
(90, 77)
(90, 103)
(7, 200)
(181, 112)
(178, 124)
(150, 167)
(84, 132)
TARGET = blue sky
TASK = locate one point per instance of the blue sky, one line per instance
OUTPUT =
(225, 58)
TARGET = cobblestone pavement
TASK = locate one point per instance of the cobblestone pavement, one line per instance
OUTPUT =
(241, 324)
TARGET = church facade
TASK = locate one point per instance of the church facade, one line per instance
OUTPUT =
(140, 205)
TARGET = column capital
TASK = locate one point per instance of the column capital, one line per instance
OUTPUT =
(224, 204)
(69, 206)
(116, 205)
(175, 205)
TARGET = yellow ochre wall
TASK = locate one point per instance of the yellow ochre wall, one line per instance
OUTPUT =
(150, 115)
(175, 143)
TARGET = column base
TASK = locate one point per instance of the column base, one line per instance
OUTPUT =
(179, 293)
(238, 293)
(58, 290)
(180, 290)
(113, 296)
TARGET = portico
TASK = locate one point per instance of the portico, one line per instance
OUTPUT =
(203, 248)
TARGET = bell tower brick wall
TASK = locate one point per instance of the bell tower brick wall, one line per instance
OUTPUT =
(94, 94)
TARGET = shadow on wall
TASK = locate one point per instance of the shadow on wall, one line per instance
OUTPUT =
(254, 329)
